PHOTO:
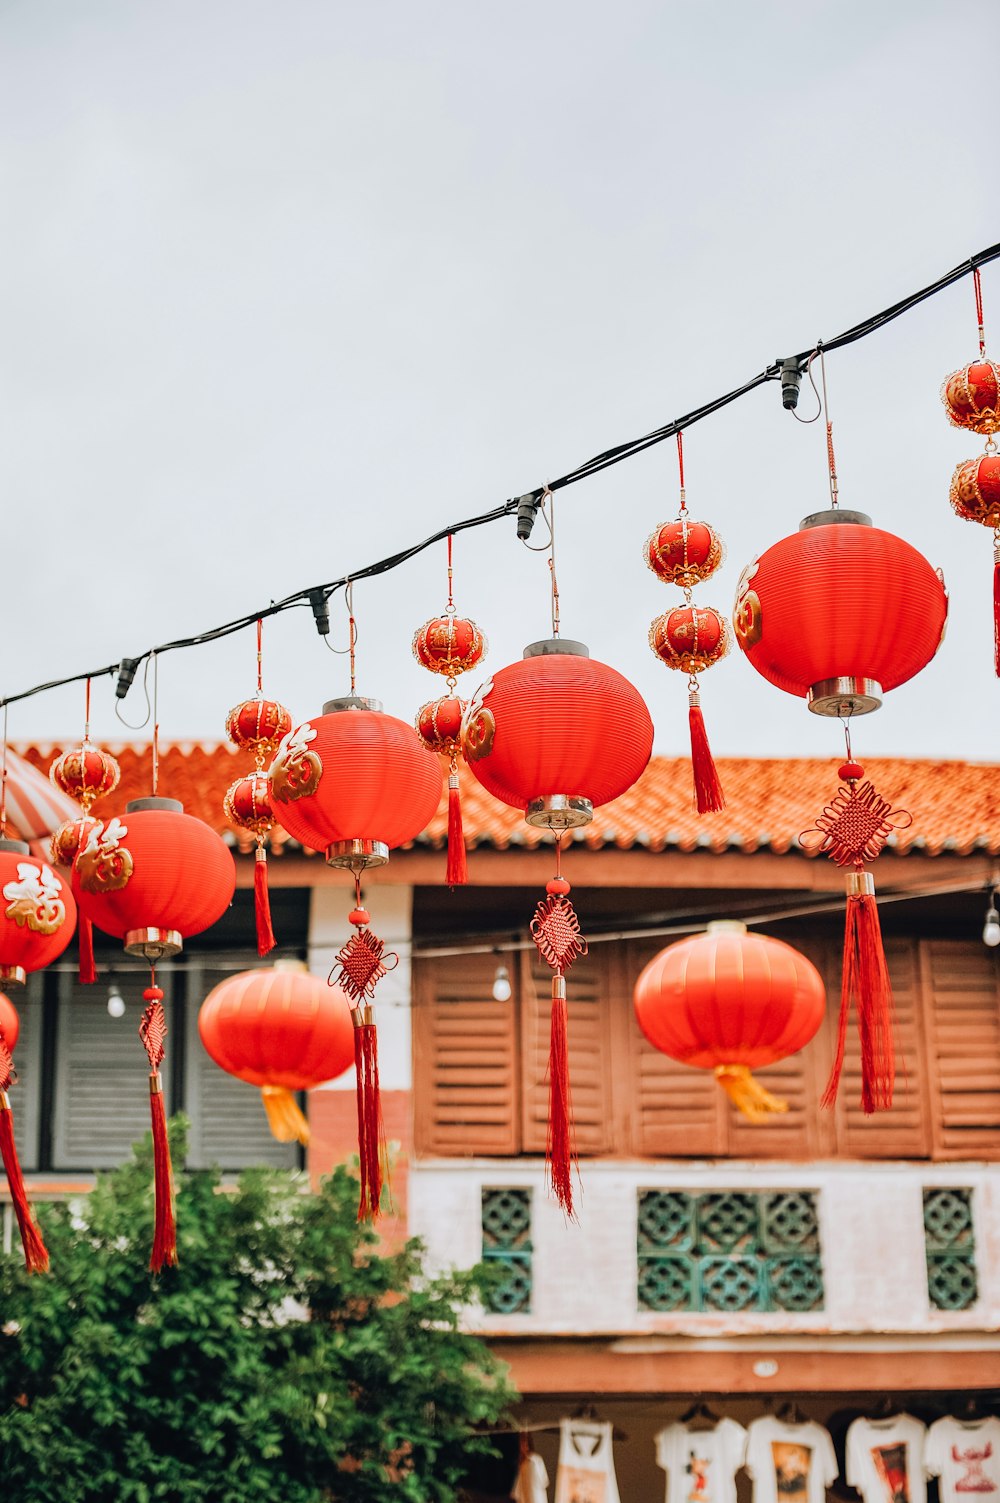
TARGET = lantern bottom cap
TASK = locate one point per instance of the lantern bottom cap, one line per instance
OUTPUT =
(559, 811)
(153, 944)
(357, 855)
(13, 975)
(840, 698)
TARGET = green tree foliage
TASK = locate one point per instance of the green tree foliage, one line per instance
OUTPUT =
(285, 1359)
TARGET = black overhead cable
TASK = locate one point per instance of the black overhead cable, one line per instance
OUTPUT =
(531, 499)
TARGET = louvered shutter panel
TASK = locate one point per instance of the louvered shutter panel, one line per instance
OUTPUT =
(228, 1121)
(25, 1093)
(903, 1131)
(465, 1058)
(102, 1074)
(678, 1112)
(589, 1052)
(963, 1024)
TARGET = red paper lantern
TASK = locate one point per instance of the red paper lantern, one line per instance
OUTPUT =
(70, 839)
(972, 397)
(258, 726)
(449, 644)
(731, 1002)
(10, 1023)
(354, 783)
(37, 913)
(280, 1029)
(840, 612)
(683, 553)
(85, 773)
(557, 734)
(154, 877)
(975, 490)
(690, 638)
(439, 724)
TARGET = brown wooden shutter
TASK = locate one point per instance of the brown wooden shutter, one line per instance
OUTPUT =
(902, 1132)
(465, 1047)
(590, 1064)
(962, 1010)
(678, 1112)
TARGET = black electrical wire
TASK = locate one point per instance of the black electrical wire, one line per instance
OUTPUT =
(594, 466)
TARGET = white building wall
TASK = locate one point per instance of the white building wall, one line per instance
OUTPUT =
(584, 1273)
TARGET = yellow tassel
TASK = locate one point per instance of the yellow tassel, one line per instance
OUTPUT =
(747, 1094)
(283, 1115)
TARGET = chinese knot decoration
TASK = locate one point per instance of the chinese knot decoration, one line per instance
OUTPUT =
(258, 726)
(838, 614)
(448, 644)
(731, 1002)
(354, 783)
(690, 638)
(152, 879)
(972, 400)
(282, 1030)
(555, 735)
(36, 1258)
(85, 773)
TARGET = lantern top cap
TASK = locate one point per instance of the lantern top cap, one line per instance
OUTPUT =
(19, 847)
(549, 646)
(298, 967)
(353, 702)
(163, 805)
(832, 516)
(726, 926)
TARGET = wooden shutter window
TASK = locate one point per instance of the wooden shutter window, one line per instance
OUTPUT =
(590, 1063)
(962, 1010)
(465, 1058)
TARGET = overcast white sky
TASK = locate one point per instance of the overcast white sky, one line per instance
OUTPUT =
(288, 286)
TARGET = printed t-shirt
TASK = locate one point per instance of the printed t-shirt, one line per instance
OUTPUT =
(701, 1465)
(789, 1463)
(885, 1459)
(965, 1457)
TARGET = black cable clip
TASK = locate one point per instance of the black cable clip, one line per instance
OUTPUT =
(321, 611)
(126, 674)
(527, 511)
(791, 382)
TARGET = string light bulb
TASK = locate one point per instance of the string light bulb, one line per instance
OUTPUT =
(991, 926)
(116, 1002)
(502, 989)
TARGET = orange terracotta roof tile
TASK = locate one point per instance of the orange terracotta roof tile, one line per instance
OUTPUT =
(955, 806)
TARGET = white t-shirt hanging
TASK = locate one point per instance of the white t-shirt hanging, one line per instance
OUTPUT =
(789, 1463)
(701, 1465)
(885, 1459)
(532, 1481)
(965, 1456)
(586, 1471)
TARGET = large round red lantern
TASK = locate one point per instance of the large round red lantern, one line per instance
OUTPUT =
(731, 1002)
(10, 1023)
(840, 612)
(37, 913)
(282, 1030)
(557, 734)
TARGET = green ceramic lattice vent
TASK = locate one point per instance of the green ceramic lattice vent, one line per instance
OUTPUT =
(950, 1240)
(507, 1249)
(732, 1251)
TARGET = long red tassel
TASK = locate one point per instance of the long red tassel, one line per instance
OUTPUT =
(707, 788)
(36, 1257)
(371, 1130)
(996, 607)
(85, 935)
(559, 1147)
(262, 905)
(164, 1226)
(458, 867)
(866, 985)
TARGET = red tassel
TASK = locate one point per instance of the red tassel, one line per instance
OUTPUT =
(707, 788)
(996, 607)
(36, 1257)
(85, 935)
(458, 869)
(164, 1227)
(866, 984)
(262, 905)
(559, 1154)
(371, 1130)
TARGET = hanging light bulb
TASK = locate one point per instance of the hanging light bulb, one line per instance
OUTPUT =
(502, 986)
(116, 1002)
(991, 927)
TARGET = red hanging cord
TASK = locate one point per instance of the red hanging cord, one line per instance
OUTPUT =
(680, 467)
(978, 289)
(260, 669)
(451, 597)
